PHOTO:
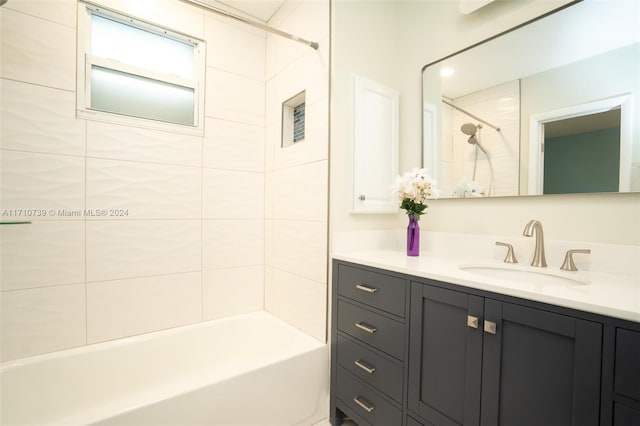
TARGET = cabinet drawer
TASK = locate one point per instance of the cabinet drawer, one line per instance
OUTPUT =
(413, 422)
(377, 371)
(627, 370)
(365, 401)
(372, 328)
(381, 291)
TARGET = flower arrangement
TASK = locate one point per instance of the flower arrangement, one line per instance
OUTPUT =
(466, 188)
(413, 189)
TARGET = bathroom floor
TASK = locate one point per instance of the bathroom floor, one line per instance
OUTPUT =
(345, 423)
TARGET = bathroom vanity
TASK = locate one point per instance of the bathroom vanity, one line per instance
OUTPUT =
(419, 341)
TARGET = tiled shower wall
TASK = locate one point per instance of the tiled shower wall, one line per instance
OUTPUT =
(192, 246)
(297, 176)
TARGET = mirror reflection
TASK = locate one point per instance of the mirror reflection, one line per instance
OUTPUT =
(547, 108)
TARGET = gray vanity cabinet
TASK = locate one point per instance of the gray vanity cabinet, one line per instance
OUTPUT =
(448, 355)
(479, 361)
(369, 344)
(445, 355)
(539, 368)
(626, 381)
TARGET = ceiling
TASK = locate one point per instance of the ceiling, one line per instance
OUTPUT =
(262, 10)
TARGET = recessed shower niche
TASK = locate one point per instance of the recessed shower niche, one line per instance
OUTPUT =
(293, 120)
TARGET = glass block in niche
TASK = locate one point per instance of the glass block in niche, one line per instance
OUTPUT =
(298, 123)
(293, 120)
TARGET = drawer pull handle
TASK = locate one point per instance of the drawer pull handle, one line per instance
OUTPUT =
(364, 404)
(366, 288)
(364, 366)
(490, 327)
(472, 321)
(366, 327)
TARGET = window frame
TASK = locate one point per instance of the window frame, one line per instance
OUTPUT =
(85, 60)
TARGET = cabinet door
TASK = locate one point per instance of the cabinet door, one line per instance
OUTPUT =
(539, 368)
(445, 356)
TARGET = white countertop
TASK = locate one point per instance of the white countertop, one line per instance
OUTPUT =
(607, 294)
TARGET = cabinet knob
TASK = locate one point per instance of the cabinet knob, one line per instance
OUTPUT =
(362, 197)
(362, 365)
(472, 321)
(368, 407)
(490, 327)
(366, 327)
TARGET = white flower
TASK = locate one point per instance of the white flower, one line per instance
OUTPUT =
(415, 187)
(466, 188)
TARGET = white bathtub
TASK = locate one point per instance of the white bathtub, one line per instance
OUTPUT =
(251, 369)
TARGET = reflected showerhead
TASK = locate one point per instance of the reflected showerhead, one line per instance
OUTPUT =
(469, 129)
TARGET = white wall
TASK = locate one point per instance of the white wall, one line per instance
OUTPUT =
(621, 65)
(192, 247)
(396, 40)
(364, 42)
(297, 176)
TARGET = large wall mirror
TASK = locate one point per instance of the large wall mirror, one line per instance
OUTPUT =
(551, 107)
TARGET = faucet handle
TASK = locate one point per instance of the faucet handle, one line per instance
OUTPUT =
(568, 264)
(510, 257)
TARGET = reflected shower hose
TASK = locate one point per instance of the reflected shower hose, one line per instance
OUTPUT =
(473, 131)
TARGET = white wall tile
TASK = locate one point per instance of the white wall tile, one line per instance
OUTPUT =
(301, 302)
(309, 72)
(232, 195)
(122, 308)
(175, 15)
(269, 252)
(42, 182)
(273, 142)
(44, 253)
(135, 248)
(308, 19)
(233, 97)
(268, 195)
(268, 288)
(41, 320)
(233, 291)
(233, 146)
(37, 51)
(301, 248)
(60, 11)
(145, 274)
(40, 119)
(232, 242)
(116, 142)
(145, 190)
(296, 188)
(301, 192)
(235, 49)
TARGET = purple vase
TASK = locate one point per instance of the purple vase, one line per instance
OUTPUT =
(413, 237)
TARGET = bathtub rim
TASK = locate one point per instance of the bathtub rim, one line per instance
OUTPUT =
(137, 338)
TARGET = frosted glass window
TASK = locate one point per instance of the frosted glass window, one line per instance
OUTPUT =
(128, 94)
(134, 46)
(134, 72)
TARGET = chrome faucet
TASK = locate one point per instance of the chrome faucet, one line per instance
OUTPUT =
(538, 255)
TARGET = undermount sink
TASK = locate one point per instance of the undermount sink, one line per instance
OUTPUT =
(525, 274)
